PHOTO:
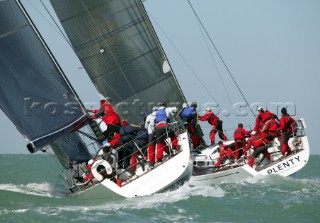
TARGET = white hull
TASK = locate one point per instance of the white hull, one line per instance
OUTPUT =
(237, 171)
(172, 172)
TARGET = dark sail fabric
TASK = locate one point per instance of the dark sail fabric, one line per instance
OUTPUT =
(33, 93)
(71, 149)
(116, 43)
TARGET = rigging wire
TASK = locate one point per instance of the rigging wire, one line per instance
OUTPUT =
(61, 32)
(150, 26)
(183, 58)
(217, 69)
(227, 68)
(187, 63)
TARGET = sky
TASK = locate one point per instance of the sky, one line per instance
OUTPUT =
(271, 48)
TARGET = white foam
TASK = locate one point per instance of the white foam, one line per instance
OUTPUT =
(42, 189)
(20, 211)
(146, 202)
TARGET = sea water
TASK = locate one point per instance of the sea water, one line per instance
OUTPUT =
(29, 193)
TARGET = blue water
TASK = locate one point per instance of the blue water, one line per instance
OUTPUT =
(29, 193)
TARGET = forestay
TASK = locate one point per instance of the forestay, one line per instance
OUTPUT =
(119, 49)
(33, 91)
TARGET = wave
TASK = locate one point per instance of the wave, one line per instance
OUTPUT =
(37, 189)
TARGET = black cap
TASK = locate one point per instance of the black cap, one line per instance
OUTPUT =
(284, 111)
(240, 125)
(194, 104)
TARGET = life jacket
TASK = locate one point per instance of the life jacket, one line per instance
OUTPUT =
(230, 152)
(238, 134)
(261, 119)
(187, 113)
(265, 116)
(161, 115)
(271, 125)
(287, 123)
(223, 151)
(213, 119)
(110, 117)
(258, 142)
(226, 152)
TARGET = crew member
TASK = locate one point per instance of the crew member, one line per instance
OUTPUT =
(271, 127)
(259, 145)
(109, 116)
(110, 152)
(288, 126)
(225, 153)
(239, 140)
(190, 116)
(134, 139)
(162, 131)
(150, 125)
(216, 125)
(262, 118)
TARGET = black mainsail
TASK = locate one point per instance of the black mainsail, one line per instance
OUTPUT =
(116, 43)
(34, 93)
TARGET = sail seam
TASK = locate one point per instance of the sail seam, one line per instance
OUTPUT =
(111, 32)
(113, 56)
(125, 64)
(13, 31)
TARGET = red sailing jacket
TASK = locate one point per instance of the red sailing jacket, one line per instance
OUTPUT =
(116, 140)
(286, 123)
(255, 141)
(226, 152)
(271, 126)
(261, 119)
(240, 133)
(110, 117)
(211, 117)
